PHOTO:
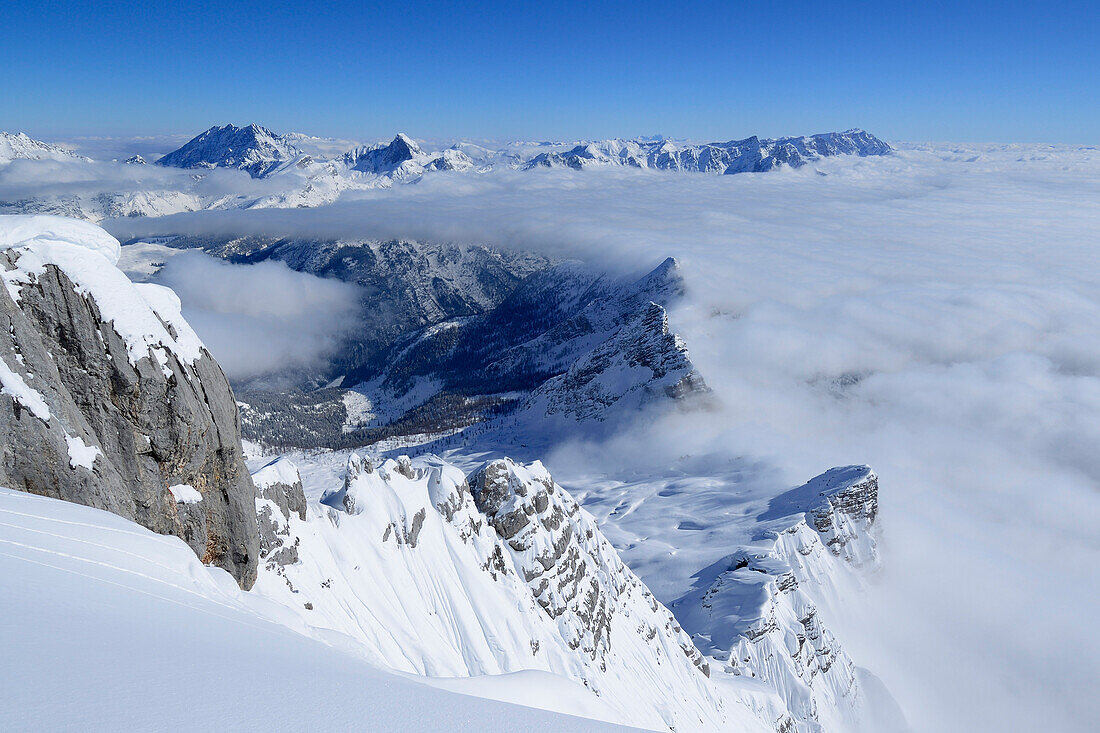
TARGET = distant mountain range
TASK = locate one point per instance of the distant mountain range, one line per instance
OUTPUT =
(261, 152)
(302, 171)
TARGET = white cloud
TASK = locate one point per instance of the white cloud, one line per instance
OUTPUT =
(262, 318)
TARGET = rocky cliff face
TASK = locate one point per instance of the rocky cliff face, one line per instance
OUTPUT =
(278, 496)
(567, 341)
(110, 400)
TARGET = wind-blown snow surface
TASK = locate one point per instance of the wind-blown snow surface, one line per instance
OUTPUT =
(934, 313)
(107, 626)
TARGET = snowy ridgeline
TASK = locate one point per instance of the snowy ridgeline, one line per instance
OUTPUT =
(437, 573)
(297, 178)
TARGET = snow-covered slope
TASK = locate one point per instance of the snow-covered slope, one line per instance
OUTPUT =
(757, 609)
(107, 627)
(757, 576)
(443, 574)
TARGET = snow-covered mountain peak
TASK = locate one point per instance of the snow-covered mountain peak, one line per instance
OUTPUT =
(403, 158)
(254, 149)
(401, 141)
(20, 146)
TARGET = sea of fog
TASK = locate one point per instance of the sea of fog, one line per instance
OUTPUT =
(934, 313)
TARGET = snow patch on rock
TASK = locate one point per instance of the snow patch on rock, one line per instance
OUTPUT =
(185, 494)
(15, 387)
(81, 455)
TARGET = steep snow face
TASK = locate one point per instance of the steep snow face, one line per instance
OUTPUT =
(442, 576)
(140, 635)
(21, 147)
(756, 577)
(736, 156)
(254, 149)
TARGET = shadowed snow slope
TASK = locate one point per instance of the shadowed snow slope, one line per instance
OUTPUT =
(109, 627)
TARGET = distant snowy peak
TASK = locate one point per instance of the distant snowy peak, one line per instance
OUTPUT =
(23, 147)
(253, 149)
(404, 157)
(735, 156)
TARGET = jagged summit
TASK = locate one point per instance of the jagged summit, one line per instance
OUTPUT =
(254, 149)
(404, 158)
(383, 158)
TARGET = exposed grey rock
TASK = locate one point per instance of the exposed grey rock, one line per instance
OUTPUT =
(280, 483)
(154, 429)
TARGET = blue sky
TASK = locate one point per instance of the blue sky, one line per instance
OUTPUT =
(966, 71)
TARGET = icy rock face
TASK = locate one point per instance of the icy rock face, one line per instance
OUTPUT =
(642, 362)
(439, 574)
(736, 156)
(757, 610)
(253, 149)
(620, 352)
(109, 398)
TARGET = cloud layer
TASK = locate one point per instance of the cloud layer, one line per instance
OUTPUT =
(935, 313)
(262, 318)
